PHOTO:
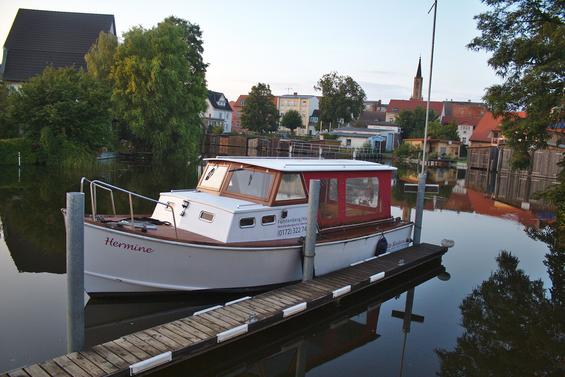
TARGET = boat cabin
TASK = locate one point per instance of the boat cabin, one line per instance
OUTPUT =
(260, 199)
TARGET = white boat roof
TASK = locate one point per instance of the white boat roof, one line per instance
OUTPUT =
(306, 164)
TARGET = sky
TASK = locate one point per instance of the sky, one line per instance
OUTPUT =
(290, 44)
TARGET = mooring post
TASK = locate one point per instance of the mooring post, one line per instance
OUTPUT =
(419, 207)
(74, 222)
(311, 230)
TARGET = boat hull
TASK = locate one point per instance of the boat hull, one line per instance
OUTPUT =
(127, 263)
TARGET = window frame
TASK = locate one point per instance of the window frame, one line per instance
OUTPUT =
(250, 198)
(289, 201)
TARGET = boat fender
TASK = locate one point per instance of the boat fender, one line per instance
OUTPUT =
(382, 246)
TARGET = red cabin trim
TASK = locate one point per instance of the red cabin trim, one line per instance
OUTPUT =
(381, 212)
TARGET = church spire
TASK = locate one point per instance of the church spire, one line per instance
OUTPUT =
(417, 90)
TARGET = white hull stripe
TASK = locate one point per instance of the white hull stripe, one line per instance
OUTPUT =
(232, 333)
(294, 309)
(341, 291)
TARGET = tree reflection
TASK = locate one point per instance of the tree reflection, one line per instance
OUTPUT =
(511, 327)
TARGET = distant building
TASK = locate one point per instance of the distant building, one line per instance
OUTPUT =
(384, 137)
(488, 130)
(418, 81)
(218, 112)
(441, 148)
(369, 117)
(465, 115)
(237, 108)
(305, 105)
(395, 106)
(40, 38)
(374, 106)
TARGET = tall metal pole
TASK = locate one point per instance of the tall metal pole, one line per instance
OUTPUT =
(422, 176)
(311, 230)
(75, 271)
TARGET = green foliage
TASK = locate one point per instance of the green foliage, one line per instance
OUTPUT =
(406, 150)
(510, 328)
(100, 57)
(217, 130)
(527, 42)
(160, 87)
(342, 98)
(259, 112)
(443, 132)
(7, 129)
(413, 122)
(65, 111)
(291, 120)
(9, 149)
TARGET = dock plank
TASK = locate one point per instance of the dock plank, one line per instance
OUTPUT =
(131, 348)
(110, 356)
(86, 364)
(70, 367)
(102, 363)
(36, 371)
(53, 369)
(198, 333)
(18, 373)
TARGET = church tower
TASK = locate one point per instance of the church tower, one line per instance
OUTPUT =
(417, 90)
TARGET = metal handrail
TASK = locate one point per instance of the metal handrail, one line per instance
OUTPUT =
(94, 184)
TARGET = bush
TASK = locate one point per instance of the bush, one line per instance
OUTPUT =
(9, 149)
(406, 151)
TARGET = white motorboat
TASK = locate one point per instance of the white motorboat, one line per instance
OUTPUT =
(243, 227)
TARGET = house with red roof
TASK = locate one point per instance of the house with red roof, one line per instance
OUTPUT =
(488, 131)
(465, 115)
(395, 106)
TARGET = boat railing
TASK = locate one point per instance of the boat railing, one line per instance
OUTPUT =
(95, 184)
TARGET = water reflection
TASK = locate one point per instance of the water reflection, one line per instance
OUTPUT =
(511, 327)
(302, 344)
(33, 226)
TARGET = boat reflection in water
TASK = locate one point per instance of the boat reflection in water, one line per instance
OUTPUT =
(292, 348)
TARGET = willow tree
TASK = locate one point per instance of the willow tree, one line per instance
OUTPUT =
(160, 87)
(526, 40)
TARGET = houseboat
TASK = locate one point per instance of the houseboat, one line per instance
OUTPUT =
(243, 227)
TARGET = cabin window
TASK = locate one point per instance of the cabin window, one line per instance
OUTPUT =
(248, 182)
(328, 209)
(247, 222)
(206, 216)
(268, 220)
(361, 196)
(213, 176)
(291, 187)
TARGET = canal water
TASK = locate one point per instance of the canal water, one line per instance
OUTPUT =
(489, 314)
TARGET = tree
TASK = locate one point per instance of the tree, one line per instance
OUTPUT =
(100, 57)
(6, 127)
(259, 112)
(412, 122)
(342, 98)
(65, 111)
(527, 42)
(436, 130)
(291, 120)
(160, 87)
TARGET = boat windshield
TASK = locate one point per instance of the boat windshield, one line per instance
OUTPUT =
(213, 176)
(250, 182)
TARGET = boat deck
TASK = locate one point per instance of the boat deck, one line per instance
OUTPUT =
(216, 326)
(167, 232)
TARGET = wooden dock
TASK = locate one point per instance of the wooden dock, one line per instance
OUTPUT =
(159, 346)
